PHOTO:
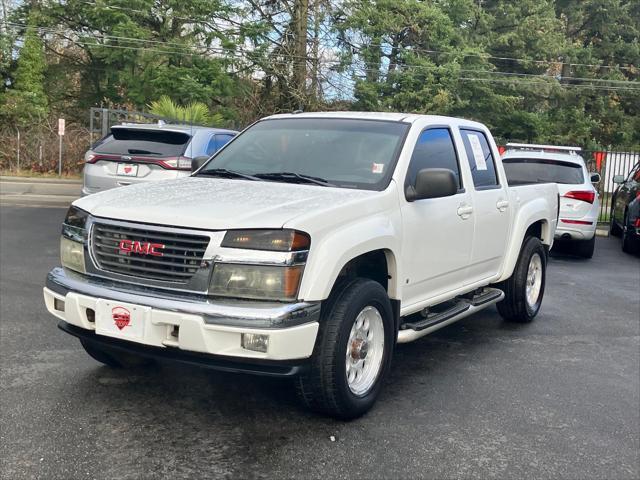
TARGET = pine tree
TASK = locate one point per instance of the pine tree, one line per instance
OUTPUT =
(26, 101)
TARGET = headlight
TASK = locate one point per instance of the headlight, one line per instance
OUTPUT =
(74, 225)
(72, 255)
(264, 282)
(273, 240)
(74, 234)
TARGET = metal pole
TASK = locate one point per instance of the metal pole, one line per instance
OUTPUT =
(60, 156)
(18, 166)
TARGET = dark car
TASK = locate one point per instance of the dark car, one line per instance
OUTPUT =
(625, 210)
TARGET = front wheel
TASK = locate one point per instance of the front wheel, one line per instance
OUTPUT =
(524, 290)
(352, 353)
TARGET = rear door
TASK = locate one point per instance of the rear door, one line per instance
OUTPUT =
(490, 207)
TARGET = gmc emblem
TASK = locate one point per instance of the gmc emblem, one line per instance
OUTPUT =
(142, 248)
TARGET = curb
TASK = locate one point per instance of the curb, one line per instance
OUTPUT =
(16, 186)
(12, 179)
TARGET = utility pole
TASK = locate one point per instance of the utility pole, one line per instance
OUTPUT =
(300, 16)
(315, 53)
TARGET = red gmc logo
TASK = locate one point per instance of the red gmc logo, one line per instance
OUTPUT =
(143, 248)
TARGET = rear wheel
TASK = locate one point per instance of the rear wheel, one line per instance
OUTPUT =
(352, 353)
(585, 248)
(113, 358)
(525, 288)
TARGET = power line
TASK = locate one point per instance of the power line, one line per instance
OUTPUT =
(234, 53)
(544, 79)
(494, 57)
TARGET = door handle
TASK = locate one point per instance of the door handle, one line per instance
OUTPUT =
(465, 211)
(502, 205)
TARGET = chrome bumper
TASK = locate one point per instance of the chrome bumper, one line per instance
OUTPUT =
(233, 313)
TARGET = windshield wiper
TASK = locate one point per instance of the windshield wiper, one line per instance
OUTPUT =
(297, 177)
(223, 172)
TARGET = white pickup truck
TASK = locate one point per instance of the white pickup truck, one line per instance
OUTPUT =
(307, 247)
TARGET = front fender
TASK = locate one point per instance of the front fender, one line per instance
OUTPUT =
(332, 252)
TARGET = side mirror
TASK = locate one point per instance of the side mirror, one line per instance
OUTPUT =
(595, 177)
(618, 179)
(432, 183)
(197, 162)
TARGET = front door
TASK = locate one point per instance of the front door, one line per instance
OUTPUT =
(437, 232)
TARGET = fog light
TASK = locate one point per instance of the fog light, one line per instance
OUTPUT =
(58, 304)
(255, 342)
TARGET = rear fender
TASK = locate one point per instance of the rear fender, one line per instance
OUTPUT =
(532, 212)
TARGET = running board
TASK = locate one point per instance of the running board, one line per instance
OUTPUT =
(464, 307)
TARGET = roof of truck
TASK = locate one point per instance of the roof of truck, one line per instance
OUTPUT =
(388, 116)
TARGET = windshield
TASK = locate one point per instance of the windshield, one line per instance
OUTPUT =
(341, 152)
(128, 141)
(535, 170)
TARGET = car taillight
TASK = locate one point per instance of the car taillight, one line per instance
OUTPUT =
(584, 195)
(176, 163)
(90, 158)
(637, 223)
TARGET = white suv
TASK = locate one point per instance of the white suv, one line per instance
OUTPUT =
(579, 200)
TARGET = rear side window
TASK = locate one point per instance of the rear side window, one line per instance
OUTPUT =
(481, 161)
(434, 149)
(123, 141)
(521, 171)
(217, 142)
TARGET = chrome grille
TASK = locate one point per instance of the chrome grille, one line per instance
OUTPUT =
(181, 256)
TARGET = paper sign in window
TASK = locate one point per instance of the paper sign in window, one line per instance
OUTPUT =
(478, 153)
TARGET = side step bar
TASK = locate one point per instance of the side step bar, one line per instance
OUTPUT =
(411, 331)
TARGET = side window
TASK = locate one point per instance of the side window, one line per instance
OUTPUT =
(481, 162)
(211, 147)
(222, 140)
(434, 149)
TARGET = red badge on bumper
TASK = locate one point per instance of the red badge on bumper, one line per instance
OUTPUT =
(121, 317)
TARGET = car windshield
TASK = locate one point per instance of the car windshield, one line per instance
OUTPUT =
(535, 170)
(348, 153)
(133, 141)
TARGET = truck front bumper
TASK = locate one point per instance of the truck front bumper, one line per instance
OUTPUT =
(185, 322)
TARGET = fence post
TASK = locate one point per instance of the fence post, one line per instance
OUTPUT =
(18, 156)
(105, 121)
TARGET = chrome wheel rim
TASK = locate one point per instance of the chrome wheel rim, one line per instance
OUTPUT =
(365, 350)
(534, 280)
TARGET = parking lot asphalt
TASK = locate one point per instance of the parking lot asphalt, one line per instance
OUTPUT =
(559, 398)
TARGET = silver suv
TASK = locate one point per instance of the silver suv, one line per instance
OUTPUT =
(135, 153)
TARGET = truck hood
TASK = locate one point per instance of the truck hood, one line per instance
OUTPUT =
(217, 204)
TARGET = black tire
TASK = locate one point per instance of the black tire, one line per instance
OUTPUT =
(614, 228)
(324, 387)
(514, 307)
(629, 243)
(585, 248)
(113, 358)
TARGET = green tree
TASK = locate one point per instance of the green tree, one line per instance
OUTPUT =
(25, 102)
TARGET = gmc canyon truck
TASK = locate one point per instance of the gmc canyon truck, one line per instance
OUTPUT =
(307, 247)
